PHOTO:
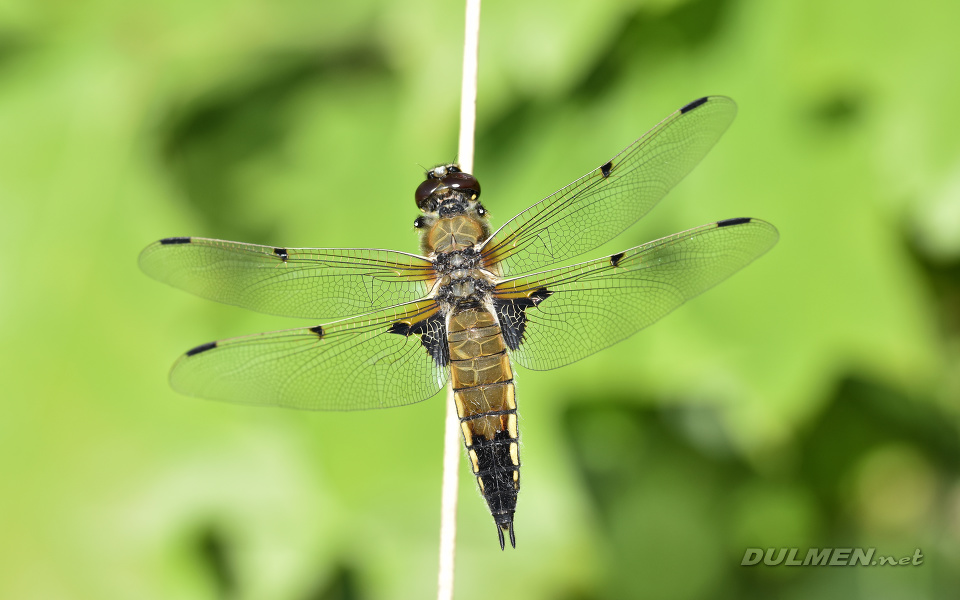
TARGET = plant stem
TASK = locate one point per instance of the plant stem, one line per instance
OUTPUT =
(451, 436)
(468, 88)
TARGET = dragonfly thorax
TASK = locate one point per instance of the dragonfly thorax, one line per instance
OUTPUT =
(449, 262)
(461, 278)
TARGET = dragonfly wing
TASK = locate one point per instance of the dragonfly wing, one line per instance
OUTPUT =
(390, 358)
(556, 317)
(604, 202)
(312, 283)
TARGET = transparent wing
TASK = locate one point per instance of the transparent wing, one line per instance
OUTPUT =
(601, 204)
(354, 364)
(313, 283)
(569, 313)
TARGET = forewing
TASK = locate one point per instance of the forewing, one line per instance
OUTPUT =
(313, 283)
(601, 204)
(560, 316)
(375, 361)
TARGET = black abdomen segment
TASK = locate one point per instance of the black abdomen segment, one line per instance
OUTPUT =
(492, 441)
(484, 392)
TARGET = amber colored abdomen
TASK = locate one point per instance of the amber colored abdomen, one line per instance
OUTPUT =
(484, 392)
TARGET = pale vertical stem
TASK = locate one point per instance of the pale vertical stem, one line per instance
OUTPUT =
(468, 87)
(451, 437)
(448, 509)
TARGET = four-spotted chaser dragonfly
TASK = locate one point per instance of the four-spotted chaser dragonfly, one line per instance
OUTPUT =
(471, 304)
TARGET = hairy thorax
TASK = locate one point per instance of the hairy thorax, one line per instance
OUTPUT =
(462, 282)
(454, 233)
(451, 240)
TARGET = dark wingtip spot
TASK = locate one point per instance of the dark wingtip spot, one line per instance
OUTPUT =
(615, 259)
(201, 348)
(737, 221)
(317, 330)
(175, 240)
(694, 104)
(282, 253)
(605, 169)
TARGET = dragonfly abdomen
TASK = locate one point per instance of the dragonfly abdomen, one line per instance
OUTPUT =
(486, 404)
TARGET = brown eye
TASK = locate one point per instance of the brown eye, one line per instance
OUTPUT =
(462, 182)
(424, 190)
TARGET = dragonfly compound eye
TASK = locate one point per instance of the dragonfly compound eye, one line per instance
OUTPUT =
(462, 182)
(423, 193)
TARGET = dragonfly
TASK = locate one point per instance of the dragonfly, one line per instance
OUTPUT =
(394, 327)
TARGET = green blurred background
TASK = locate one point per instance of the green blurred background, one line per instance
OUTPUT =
(811, 400)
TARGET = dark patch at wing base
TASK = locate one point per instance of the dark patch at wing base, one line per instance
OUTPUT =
(201, 348)
(433, 336)
(174, 240)
(318, 330)
(512, 315)
(729, 222)
(694, 104)
(615, 259)
(605, 169)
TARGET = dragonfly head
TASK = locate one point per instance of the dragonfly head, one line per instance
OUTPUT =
(446, 184)
(453, 218)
